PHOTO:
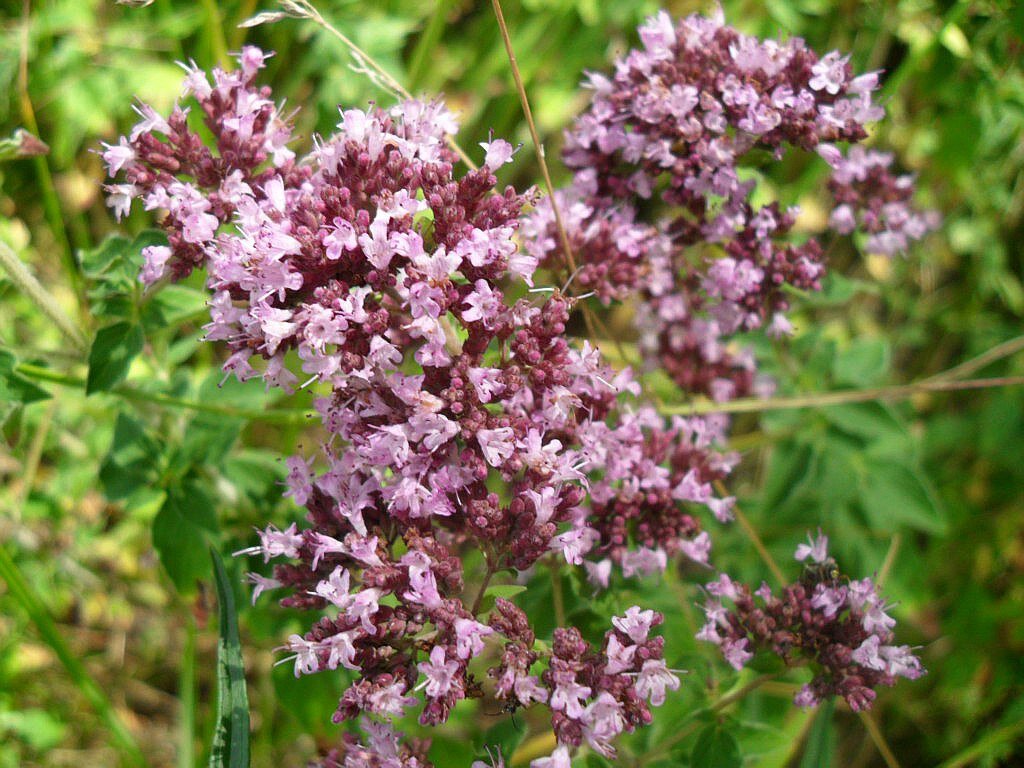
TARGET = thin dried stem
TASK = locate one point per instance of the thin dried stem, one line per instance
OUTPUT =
(368, 65)
(820, 399)
(998, 352)
(754, 537)
(876, 736)
(890, 558)
(538, 147)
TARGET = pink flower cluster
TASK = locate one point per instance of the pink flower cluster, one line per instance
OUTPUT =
(382, 276)
(687, 119)
(871, 199)
(458, 420)
(837, 626)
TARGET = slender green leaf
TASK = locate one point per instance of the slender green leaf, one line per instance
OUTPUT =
(821, 741)
(230, 748)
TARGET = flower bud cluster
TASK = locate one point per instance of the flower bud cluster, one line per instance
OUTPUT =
(870, 198)
(837, 626)
(456, 418)
(686, 119)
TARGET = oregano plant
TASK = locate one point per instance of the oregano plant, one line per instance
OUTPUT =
(467, 433)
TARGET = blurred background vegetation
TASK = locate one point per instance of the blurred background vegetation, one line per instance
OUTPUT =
(108, 498)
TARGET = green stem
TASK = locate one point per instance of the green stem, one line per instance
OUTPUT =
(556, 593)
(274, 415)
(491, 570)
(37, 612)
(215, 29)
(187, 698)
(426, 44)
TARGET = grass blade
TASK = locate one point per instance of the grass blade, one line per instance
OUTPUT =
(230, 747)
(32, 604)
(821, 740)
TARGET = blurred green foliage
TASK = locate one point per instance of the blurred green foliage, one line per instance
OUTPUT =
(110, 497)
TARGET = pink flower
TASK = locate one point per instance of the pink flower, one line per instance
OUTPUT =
(654, 679)
(557, 759)
(497, 444)
(469, 635)
(817, 549)
(498, 152)
(636, 623)
(440, 674)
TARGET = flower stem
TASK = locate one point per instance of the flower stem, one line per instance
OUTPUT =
(755, 538)
(876, 736)
(491, 570)
(274, 415)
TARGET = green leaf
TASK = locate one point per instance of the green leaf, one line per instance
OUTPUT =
(104, 256)
(180, 534)
(36, 727)
(895, 494)
(821, 741)
(505, 591)
(118, 257)
(230, 748)
(790, 464)
(866, 420)
(863, 362)
(15, 388)
(132, 462)
(113, 271)
(716, 748)
(171, 306)
(111, 356)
